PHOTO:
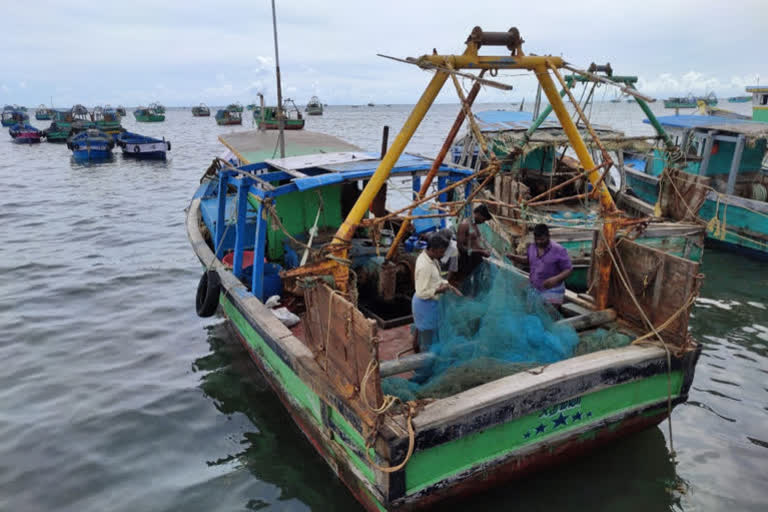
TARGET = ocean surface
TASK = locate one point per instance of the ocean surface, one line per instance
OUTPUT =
(115, 396)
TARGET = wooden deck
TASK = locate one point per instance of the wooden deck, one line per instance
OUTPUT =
(257, 146)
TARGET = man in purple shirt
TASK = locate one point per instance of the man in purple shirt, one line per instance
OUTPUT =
(549, 265)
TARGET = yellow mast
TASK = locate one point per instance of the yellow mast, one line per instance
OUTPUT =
(443, 65)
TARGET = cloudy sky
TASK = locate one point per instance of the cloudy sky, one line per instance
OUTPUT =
(171, 51)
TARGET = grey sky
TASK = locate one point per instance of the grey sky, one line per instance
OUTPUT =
(131, 53)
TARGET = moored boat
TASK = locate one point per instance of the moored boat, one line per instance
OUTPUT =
(23, 133)
(121, 110)
(43, 113)
(141, 146)
(91, 145)
(332, 369)
(314, 107)
(12, 117)
(228, 117)
(266, 117)
(107, 120)
(148, 115)
(721, 183)
(201, 110)
(66, 122)
(157, 107)
(690, 101)
(235, 107)
(739, 99)
(759, 102)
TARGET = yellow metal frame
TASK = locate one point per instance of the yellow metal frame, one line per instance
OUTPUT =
(470, 60)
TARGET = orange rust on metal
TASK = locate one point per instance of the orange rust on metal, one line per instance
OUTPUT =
(605, 244)
(436, 164)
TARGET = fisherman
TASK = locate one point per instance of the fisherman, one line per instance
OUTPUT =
(549, 265)
(429, 284)
(470, 242)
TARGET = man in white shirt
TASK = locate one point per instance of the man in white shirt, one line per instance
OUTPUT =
(429, 284)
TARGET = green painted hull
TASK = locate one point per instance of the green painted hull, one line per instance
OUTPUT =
(153, 118)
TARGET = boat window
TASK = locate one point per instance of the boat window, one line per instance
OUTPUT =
(764, 99)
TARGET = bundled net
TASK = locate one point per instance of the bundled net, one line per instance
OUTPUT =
(500, 327)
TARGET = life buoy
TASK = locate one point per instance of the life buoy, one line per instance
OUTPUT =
(207, 299)
(136, 148)
(168, 143)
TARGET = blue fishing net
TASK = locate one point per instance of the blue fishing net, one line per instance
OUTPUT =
(499, 327)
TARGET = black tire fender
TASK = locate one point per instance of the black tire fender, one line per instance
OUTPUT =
(208, 289)
(136, 148)
(75, 146)
(168, 143)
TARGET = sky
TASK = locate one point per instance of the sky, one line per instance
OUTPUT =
(180, 54)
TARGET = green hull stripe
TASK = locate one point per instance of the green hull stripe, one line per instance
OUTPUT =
(355, 437)
(435, 464)
(290, 382)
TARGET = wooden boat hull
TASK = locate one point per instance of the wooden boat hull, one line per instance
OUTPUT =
(745, 221)
(290, 124)
(227, 122)
(472, 440)
(150, 119)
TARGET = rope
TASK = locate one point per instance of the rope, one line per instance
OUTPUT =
(411, 444)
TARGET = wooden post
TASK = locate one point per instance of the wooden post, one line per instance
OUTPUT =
(257, 282)
(242, 208)
(221, 213)
(735, 163)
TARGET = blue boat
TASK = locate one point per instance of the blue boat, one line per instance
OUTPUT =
(24, 133)
(724, 180)
(12, 117)
(91, 145)
(141, 146)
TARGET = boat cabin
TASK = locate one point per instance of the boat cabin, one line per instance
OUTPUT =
(759, 102)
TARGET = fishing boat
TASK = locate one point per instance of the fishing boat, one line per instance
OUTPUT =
(705, 110)
(107, 120)
(266, 117)
(43, 113)
(91, 145)
(251, 106)
(314, 107)
(227, 117)
(235, 107)
(142, 146)
(739, 99)
(8, 108)
(157, 107)
(250, 227)
(23, 133)
(121, 110)
(759, 102)
(690, 101)
(201, 110)
(12, 117)
(66, 122)
(148, 115)
(721, 183)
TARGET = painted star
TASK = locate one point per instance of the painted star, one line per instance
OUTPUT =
(527, 435)
(560, 421)
(577, 416)
(589, 414)
(540, 428)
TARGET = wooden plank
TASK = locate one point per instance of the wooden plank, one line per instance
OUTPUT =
(661, 284)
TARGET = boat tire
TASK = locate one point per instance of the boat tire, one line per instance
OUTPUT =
(168, 143)
(208, 290)
(75, 146)
(136, 149)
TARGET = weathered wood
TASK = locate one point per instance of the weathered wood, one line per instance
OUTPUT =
(405, 364)
(661, 283)
(589, 320)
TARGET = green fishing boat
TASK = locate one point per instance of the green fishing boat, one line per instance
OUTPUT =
(157, 107)
(148, 115)
(43, 113)
(107, 120)
(739, 99)
(228, 117)
(201, 110)
(235, 107)
(333, 355)
(690, 101)
(67, 122)
(266, 117)
(314, 107)
(251, 106)
(121, 110)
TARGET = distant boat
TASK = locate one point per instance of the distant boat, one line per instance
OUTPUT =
(371, 105)
(251, 106)
(23, 133)
(235, 107)
(141, 146)
(157, 107)
(739, 99)
(266, 117)
(706, 110)
(66, 122)
(107, 120)
(690, 101)
(43, 113)
(91, 145)
(121, 110)
(148, 115)
(226, 117)
(201, 111)
(12, 117)
(314, 107)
